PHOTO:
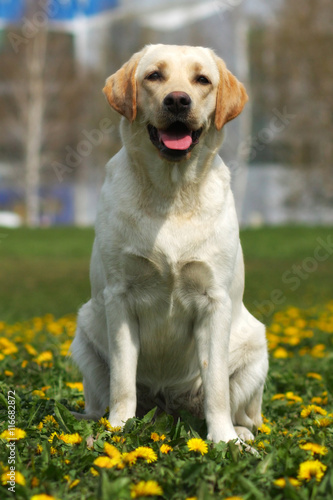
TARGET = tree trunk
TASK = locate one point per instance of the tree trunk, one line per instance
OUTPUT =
(34, 136)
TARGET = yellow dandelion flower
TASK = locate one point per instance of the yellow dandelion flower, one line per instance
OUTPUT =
(15, 476)
(7, 346)
(232, 498)
(275, 327)
(314, 375)
(262, 444)
(118, 439)
(281, 483)
(39, 449)
(34, 482)
(156, 437)
(319, 401)
(13, 434)
(105, 462)
(278, 396)
(312, 408)
(44, 357)
(105, 422)
(53, 450)
(265, 429)
(146, 453)
(281, 353)
(197, 444)
(40, 426)
(293, 397)
(145, 489)
(19, 478)
(42, 496)
(74, 483)
(94, 472)
(71, 483)
(291, 340)
(36, 392)
(24, 363)
(30, 349)
(75, 385)
(71, 438)
(129, 458)
(8, 373)
(323, 422)
(311, 469)
(54, 434)
(291, 331)
(121, 464)
(318, 351)
(191, 498)
(55, 328)
(314, 448)
(112, 451)
(165, 448)
(49, 419)
(273, 341)
(293, 312)
(64, 347)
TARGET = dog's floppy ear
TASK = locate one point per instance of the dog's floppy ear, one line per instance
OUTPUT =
(120, 88)
(231, 96)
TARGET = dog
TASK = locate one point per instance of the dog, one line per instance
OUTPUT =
(166, 325)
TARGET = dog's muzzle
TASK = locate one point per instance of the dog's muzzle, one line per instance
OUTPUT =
(175, 142)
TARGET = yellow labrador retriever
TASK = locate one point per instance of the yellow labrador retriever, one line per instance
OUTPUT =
(166, 324)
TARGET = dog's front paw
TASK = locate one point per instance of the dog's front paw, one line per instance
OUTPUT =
(244, 433)
(117, 420)
(221, 435)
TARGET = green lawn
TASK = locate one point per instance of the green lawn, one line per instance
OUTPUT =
(47, 270)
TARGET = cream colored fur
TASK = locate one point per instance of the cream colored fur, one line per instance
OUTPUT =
(166, 322)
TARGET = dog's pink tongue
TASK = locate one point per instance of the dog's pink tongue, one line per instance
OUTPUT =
(176, 139)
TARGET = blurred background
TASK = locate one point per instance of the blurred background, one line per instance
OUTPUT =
(57, 132)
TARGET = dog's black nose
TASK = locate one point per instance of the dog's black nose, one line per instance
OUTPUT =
(177, 102)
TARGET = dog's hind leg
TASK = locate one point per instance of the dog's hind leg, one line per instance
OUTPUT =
(249, 364)
(248, 417)
(253, 409)
(96, 374)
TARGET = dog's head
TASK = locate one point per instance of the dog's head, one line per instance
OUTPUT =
(178, 92)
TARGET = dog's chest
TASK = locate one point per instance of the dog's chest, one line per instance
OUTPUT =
(174, 271)
(166, 298)
(155, 282)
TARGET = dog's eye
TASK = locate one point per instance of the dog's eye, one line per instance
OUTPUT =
(154, 76)
(203, 80)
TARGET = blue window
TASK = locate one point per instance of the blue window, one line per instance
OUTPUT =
(11, 10)
(58, 10)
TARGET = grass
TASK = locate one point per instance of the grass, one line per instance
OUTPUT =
(43, 270)
(46, 272)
